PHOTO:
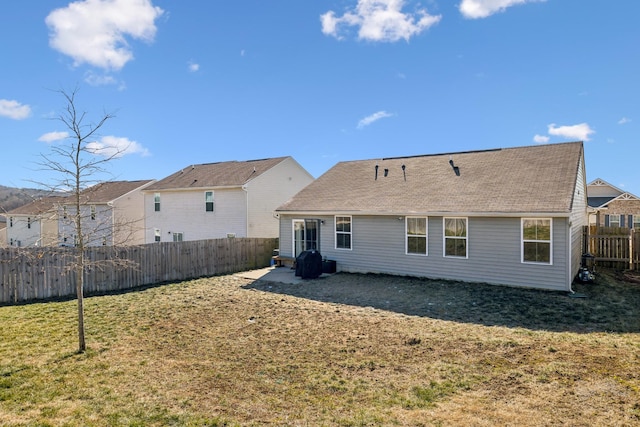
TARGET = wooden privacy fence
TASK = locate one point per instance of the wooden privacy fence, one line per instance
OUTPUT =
(613, 247)
(40, 273)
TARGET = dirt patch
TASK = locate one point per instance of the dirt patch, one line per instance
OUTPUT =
(609, 305)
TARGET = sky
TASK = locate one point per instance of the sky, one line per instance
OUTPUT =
(324, 81)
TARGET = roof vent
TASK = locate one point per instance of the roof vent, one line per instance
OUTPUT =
(456, 169)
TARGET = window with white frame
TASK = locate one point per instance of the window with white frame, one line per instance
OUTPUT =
(343, 232)
(208, 201)
(28, 222)
(156, 235)
(636, 222)
(455, 237)
(614, 220)
(416, 235)
(93, 212)
(10, 221)
(536, 240)
(156, 202)
(177, 237)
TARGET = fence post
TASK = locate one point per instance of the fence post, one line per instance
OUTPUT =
(631, 239)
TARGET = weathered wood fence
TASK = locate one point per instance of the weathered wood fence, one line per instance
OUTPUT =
(613, 247)
(41, 273)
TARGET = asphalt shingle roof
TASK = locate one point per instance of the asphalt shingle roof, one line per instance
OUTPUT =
(108, 191)
(531, 179)
(37, 207)
(222, 174)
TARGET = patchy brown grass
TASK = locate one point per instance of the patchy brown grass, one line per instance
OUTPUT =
(348, 350)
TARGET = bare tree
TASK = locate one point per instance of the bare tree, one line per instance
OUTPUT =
(78, 163)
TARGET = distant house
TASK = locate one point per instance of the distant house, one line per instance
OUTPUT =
(34, 224)
(510, 216)
(226, 199)
(112, 213)
(611, 206)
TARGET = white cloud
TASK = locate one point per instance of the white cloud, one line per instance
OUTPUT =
(475, 9)
(14, 110)
(96, 31)
(53, 136)
(112, 146)
(541, 139)
(624, 120)
(99, 79)
(193, 67)
(580, 131)
(373, 118)
(379, 20)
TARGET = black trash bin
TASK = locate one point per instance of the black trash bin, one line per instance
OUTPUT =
(309, 264)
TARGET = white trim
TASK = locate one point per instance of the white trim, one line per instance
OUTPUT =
(522, 241)
(335, 232)
(445, 237)
(426, 236)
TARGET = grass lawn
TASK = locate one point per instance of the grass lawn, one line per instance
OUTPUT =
(225, 351)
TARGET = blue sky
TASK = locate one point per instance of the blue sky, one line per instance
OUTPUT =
(321, 81)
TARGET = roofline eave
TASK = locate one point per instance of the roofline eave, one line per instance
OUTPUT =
(432, 213)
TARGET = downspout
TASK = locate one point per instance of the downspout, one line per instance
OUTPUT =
(570, 264)
(246, 196)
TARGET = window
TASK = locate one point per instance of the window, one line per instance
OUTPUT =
(28, 222)
(416, 235)
(177, 237)
(208, 201)
(104, 241)
(536, 240)
(93, 212)
(343, 232)
(636, 222)
(64, 212)
(455, 237)
(10, 221)
(156, 234)
(614, 220)
(156, 202)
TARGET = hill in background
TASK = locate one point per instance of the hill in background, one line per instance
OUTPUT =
(11, 198)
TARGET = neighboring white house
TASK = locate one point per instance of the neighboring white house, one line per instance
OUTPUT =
(612, 207)
(226, 199)
(112, 213)
(34, 224)
(511, 216)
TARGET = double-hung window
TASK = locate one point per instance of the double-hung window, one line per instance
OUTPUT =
(536, 240)
(156, 235)
(208, 201)
(343, 232)
(28, 222)
(416, 232)
(177, 237)
(93, 212)
(156, 202)
(614, 220)
(636, 222)
(455, 237)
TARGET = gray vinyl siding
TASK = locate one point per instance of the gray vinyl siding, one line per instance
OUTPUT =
(579, 219)
(494, 251)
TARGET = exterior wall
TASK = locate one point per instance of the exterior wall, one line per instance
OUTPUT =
(3, 237)
(128, 212)
(97, 232)
(620, 207)
(579, 219)
(268, 191)
(20, 234)
(494, 251)
(184, 212)
(43, 231)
